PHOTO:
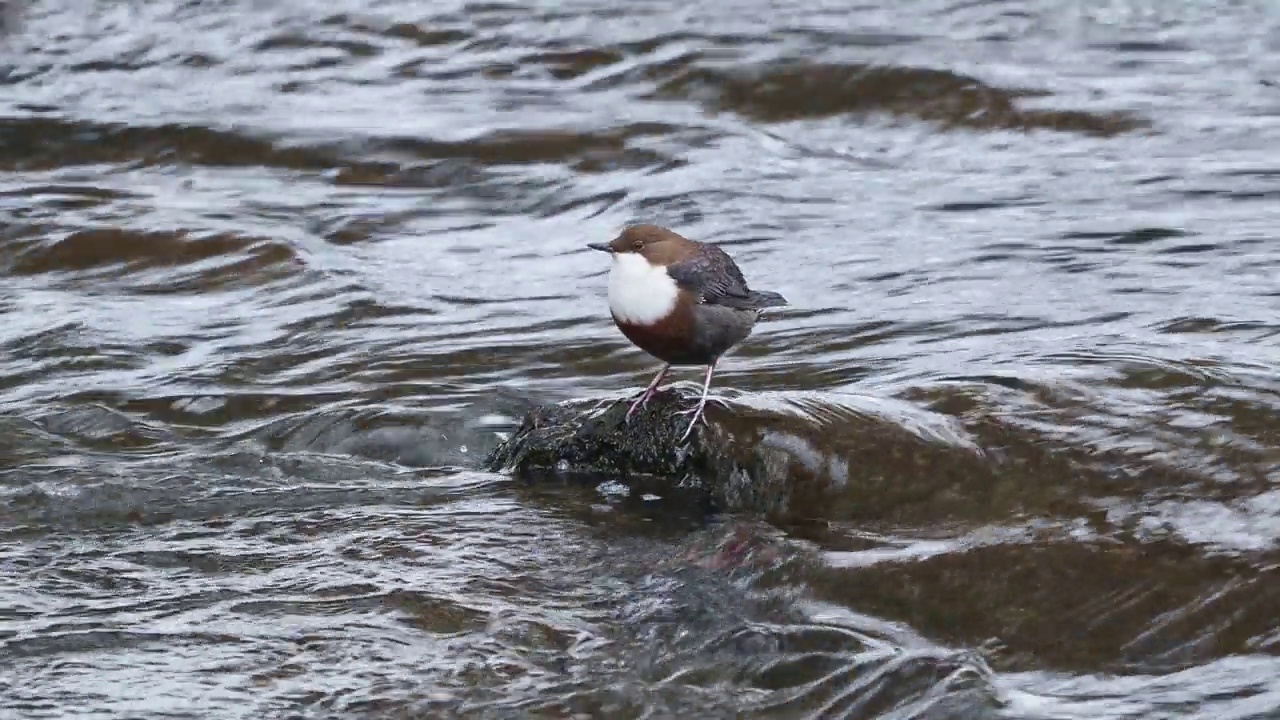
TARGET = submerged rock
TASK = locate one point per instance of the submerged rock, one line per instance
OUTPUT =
(795, 455)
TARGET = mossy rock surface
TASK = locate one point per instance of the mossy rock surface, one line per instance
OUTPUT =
(780, 455)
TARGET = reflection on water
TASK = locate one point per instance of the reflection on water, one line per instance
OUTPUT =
(277, 278)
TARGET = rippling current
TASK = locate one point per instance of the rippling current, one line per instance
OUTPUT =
(275, 276)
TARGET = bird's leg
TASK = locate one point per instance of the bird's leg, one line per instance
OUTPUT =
(648, 392)
(702, 403)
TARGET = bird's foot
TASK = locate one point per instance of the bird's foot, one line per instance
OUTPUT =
(696, 411)
(638, 403)
(647, 393)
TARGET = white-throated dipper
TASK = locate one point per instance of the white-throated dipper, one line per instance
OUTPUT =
(682, 301)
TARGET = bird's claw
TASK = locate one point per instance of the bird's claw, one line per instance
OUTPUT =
(648, 392)
(631, 411)
(637, 404)
(698, 417)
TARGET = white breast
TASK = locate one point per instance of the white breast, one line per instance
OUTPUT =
(640, 293)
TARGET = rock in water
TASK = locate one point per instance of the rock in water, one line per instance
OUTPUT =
(781, 455)
(584, 436)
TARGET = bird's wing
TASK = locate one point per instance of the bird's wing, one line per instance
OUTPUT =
(714, 278)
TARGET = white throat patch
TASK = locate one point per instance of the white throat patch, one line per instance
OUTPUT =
(640, 293)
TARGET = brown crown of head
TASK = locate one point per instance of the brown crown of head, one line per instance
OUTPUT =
(656, 244)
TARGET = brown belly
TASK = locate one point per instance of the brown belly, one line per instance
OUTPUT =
(665, 340)
(680, 339)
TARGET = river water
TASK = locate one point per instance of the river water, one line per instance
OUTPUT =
(277, 275)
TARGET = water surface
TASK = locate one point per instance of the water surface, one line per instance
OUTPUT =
(276, 276)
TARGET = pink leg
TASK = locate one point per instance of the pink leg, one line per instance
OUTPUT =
(702, 403)
(648, 392)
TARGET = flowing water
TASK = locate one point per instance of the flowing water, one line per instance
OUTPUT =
(277, 275)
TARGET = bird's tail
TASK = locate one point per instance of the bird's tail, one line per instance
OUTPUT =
(764, 299)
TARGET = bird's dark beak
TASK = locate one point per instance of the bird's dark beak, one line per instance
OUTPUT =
(602, 247)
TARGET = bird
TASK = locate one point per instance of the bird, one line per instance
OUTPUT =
(684, 302)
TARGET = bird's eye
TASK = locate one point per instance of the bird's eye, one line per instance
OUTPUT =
(637, 244)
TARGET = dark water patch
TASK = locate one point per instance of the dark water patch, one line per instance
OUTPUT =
(569, 64)
(793, 91)
(978, 206)
(1143, 46)
(1140, 236)
(1077, 267)
(102, 429)
(29, 144)
(1002, 251)
(1236, 194)
(1076, 447)
(107, 640)
(77, 497)
(67, 197)
(1265, 173)
(413, 440)
(584, 151)
(1252, 195)
(450, 173)
(25, 442)
(355, 230)
(211, 262)
(130, 62)
(200, 61)
(210, 562)
(37, 108)
(1144, 607)
(426, 36)
(922, 684)
(1190, 248)
(297, 41)
(416, 609)
(1213, 325)
(645, 63)
(67, 350)
(1155, 374)
(41, 144)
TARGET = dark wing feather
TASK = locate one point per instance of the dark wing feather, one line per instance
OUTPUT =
(714, 278)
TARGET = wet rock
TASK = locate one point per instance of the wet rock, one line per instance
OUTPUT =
(790, 455)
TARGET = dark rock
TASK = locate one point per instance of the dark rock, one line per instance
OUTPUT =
(793, 455)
